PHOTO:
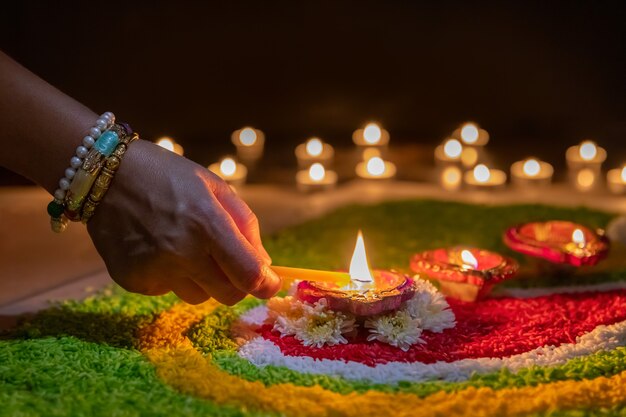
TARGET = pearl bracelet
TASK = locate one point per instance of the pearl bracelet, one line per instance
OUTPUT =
(58, 221)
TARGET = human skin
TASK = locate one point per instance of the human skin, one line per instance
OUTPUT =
(166, 223)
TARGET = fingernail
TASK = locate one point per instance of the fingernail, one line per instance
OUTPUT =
(272, 283)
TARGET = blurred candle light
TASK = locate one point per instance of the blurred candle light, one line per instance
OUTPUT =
(531, 172)
(616, 180)
(449, 152)
(585, 179)
(170, 145)
(372, 135)
(230, 171)
(451, 178)
(315, 178)
(249, 143)
(375, 167)
(312, 151)
(584, 162)
(578, 237)
(481, 177)
(471, 134)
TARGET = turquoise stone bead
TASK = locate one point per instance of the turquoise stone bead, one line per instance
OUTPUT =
(107, 142)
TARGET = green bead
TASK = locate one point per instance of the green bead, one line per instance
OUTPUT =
(55, 209)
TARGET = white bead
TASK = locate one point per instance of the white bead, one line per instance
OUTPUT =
(59, 194)
(81, 151)
(94, 132)
(88, 142)
(64, 184)
(102, 124)
(69, 173)
(110, 115)
(76, 162)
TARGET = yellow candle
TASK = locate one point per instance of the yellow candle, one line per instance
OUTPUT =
(289, 273)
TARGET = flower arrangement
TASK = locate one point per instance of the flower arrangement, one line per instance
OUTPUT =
(317, 325)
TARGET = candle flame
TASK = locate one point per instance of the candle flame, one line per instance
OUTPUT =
(314, 147)
(228, 166)
(453, 148)
(375, 166)
(588, 150)
(469, 133)
(578, 237)
(372, 134)
(531, 167)
(624, 173)
(482, 173)
(359, 267)
(469, 260)
(247, 136)
(317, 172)
(166, 143)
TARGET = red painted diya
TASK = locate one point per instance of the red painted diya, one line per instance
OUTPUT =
(559, 242)
(467, 274)
(386, 293)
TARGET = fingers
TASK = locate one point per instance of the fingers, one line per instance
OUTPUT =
(235, 255)
(189, 291)
(243, 217)
(214, 281)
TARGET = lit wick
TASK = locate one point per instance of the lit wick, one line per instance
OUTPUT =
(531, 167)
(468, 259)
(588, 150)
(578, 237)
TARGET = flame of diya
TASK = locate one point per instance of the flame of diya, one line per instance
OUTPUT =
(559, 242)
(370, 292)
(467, 274)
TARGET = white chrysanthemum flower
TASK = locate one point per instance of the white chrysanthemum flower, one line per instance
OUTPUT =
(312, 324)
(320, 326)
(430, 307)
(398, 329)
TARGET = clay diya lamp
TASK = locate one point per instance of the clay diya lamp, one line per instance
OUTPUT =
(369, 292)
(559, 242)
(467, 274)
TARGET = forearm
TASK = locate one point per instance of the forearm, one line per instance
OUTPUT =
(40, 127)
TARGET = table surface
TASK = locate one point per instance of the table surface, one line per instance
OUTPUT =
(37, 266)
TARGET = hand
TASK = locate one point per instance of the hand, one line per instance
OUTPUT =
(168, 224)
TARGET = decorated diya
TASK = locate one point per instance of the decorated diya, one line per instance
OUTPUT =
(559, 242)
(369, 292)
(467, 274)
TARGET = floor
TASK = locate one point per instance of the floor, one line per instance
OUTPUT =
(37, 266)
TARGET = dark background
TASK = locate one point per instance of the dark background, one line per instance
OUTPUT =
(539, 76)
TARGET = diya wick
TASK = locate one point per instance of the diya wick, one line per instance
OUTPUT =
(467, 274)
(558, 242)
(171, 145)
(313, 151)
(368, 293)
(249, 143)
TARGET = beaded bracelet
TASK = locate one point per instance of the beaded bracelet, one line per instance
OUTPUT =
(94, 161)
(56, 207)
(103, 182)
